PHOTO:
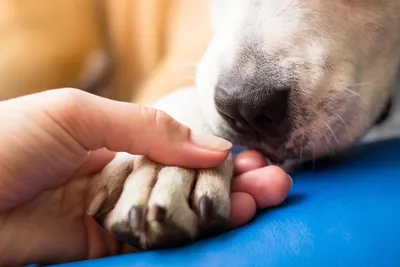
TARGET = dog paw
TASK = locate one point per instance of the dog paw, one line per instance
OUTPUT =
(150, 205)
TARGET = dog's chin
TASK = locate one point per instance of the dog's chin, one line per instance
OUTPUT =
(276, 153)
(277, 150)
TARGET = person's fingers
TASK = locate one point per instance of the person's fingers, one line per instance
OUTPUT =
(269, 185)
(247, 161)
(97, 122)
(243, 209)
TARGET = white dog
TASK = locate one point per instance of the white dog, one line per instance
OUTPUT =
(294, 79)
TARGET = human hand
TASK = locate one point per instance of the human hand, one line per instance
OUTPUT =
(54, 141)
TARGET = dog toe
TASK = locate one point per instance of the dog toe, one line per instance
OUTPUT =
(163, 206)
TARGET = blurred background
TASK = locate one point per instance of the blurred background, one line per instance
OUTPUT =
(128, 50)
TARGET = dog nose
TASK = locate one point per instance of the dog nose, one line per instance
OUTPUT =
(263, 110)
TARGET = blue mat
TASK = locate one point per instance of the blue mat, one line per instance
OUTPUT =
(346, 214)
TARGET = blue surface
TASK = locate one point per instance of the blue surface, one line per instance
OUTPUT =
(344, 215)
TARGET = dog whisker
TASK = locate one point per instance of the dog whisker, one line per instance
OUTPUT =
(361, 84)
(354, 93)
(300, 155)
(313, 152)
(344, 123)
(330, 150)
(333, 134)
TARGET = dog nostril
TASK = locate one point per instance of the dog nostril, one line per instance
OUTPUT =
(273, 110)
(264, 110)
(238, 124)
(263, 120)
(267, 120)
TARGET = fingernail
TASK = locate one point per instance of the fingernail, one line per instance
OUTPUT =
(210, 142)
(291, 181)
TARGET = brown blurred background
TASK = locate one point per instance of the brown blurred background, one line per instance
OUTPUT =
(129, 50)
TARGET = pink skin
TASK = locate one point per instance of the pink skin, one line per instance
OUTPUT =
(256, 186)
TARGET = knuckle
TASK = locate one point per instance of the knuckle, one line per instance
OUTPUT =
(65, 108)
(68, 99)
(163, 122)
(69, 93)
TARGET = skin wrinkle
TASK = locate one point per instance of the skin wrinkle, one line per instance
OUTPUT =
(59, 139)
(63, 129)
(39, 123)
(69, 103)
(85, 161)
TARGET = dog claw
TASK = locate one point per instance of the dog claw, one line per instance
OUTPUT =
(205, 209)
(136, 218)
(212, 223)
(157, 213)
(122, 233)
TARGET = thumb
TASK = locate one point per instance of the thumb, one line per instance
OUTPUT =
(98, 122)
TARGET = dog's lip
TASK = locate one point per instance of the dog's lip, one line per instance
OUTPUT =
(271, 156)
(267, 153)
